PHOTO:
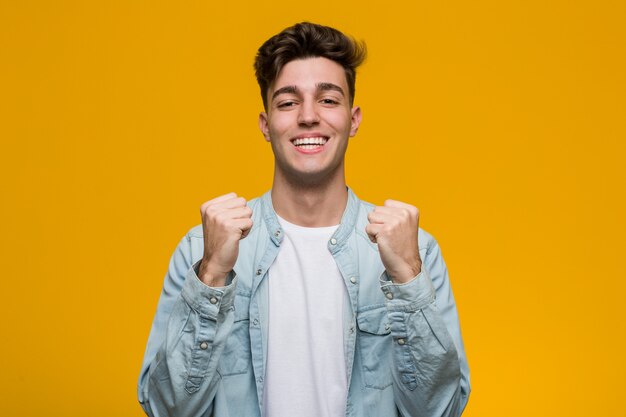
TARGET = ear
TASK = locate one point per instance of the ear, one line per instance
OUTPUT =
(355, 120)
(264, 125)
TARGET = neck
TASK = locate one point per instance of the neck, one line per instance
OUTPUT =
(309, 205)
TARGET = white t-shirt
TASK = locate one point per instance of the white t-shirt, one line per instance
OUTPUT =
(306, 369)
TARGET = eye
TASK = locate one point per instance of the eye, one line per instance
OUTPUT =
(329, 101)
(286, 104)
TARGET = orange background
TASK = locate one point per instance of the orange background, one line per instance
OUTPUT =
(502, 121)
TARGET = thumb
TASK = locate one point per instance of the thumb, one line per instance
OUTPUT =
(372, 230)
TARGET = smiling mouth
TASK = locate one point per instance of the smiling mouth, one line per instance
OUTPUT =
(309, 143)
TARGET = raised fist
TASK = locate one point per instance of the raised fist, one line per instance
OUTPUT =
(394, 228)
(225, 221)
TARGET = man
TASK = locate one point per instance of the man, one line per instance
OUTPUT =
(306, 301)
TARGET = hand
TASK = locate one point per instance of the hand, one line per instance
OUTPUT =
(394, 228)
(225, 221)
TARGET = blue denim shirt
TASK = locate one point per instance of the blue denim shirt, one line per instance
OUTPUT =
(206, 354)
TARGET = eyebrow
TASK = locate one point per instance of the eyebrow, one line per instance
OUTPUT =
(330, 87)
(289, 89)
(292, 89)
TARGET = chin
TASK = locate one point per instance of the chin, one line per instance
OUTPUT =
(311, 178)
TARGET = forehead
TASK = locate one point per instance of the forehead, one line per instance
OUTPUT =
(309, 72)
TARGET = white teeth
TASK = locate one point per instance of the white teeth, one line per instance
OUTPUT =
(310, 143)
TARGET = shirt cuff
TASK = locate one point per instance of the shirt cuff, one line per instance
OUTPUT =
(208, 301)
(410, 296)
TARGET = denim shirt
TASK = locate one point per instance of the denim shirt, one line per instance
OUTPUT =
(207, 350)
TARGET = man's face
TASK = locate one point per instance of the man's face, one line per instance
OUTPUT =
(309, 120)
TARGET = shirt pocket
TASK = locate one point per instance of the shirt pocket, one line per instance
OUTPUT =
(236, 356)
(375, 347)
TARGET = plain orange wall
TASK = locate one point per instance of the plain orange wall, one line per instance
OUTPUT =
(503, 121)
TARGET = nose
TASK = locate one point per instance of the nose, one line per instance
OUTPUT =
(308, 115)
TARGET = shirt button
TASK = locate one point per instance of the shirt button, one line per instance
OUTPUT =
(389, 296)
(204, 345)
(258, 272)
(255, 322)
(277, 233)
(401, 342)
(333, 241)
(387, 326)
(213, 300)
(353, 280)
(259, 379)
(352, 329)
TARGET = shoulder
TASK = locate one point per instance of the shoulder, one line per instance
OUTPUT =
(363, 208)
(426, 240)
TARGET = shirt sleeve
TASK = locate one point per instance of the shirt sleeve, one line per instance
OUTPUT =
(431, 375)
(178, 375)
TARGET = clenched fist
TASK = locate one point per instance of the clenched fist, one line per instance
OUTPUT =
(394, 228)
(225, 221)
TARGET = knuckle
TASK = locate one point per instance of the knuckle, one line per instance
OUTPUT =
(219, 217)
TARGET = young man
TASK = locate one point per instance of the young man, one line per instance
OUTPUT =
(306, 301)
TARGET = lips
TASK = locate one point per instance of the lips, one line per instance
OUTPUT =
(309, 142)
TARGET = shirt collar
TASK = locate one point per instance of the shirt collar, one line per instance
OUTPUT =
(348, 219)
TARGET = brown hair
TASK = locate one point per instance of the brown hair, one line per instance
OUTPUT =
(307, 40)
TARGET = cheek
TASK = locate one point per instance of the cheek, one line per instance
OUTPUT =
(340, 122)
(278, 127)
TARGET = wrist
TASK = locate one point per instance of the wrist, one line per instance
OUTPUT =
(406, 274)
(210, 276)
